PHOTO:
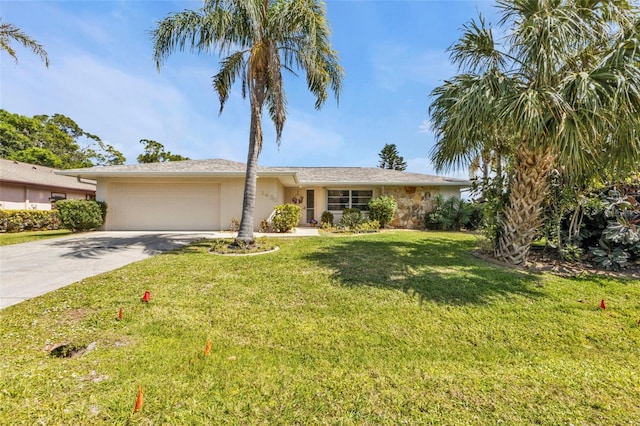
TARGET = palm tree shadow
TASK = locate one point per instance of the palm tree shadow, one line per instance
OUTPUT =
(434, 269)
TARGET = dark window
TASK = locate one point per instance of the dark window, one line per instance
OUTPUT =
(340, 199)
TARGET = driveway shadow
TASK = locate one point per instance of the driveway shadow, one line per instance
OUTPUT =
(97, 245)
(439, 270)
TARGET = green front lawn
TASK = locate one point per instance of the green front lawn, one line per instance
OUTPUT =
(385, 329)
(9, 238)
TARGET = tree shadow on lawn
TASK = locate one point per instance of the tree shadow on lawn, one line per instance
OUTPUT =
(95, 245)
(440, 270)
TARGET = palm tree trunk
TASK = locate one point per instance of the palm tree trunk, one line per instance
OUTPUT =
(245, 233)
(521, 220)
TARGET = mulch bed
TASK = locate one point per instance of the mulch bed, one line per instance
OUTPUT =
(540, 261)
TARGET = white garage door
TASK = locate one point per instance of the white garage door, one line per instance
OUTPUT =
(164, 207)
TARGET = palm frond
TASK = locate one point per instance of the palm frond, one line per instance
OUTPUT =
(10, 32)
(231, 67)
(476, 50)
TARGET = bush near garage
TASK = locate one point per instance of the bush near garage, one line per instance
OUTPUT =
(28, 220)
(80, 215)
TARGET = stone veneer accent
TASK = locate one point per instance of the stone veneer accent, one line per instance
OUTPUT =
(413, 203)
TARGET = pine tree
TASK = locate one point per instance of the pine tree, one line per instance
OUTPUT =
(390, 159)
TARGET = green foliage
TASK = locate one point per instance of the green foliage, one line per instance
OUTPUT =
(353, 221)
(383, 209)
(351, 218)
(287, 217)
(391, 159)
(453, 214)
(37, 155)
(28, 220)
(80, 215)
(103, 210)
(604, 224)
(52, 141)
(154, 153)
(326, 218)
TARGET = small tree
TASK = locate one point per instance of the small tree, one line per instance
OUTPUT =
(390, 159)
(383, 209)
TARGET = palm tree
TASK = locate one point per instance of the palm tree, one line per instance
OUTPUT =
(10, 32)
(257, 38)
(565, 88)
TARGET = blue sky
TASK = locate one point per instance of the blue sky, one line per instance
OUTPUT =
(102, 76)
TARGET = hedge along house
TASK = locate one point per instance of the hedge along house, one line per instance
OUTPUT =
(201, 195)
(26, 186)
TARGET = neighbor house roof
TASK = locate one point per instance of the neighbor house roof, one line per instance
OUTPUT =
(23, 173)
(289, 175)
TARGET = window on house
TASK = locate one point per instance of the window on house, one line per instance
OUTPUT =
(55, 196)
(340, 199)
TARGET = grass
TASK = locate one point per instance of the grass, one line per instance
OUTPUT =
(24, 237)
(386, 329)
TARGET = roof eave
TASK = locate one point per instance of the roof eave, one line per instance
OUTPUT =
(374, 183)
(129, 174)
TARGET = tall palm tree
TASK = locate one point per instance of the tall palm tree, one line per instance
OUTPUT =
(258, 39)
(564, 86)
(10, 32)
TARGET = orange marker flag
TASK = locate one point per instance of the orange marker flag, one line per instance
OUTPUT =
(138, 400)
(146, 297)
(602, 305)
(120, 314)
(207, 348)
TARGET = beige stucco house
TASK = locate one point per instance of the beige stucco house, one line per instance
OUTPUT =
(26, 186)
(202, 195)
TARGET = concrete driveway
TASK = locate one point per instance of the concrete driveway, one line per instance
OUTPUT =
(31, 269)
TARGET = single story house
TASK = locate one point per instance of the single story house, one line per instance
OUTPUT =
(26, 186)
(201, 195)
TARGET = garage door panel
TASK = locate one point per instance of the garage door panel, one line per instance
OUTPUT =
(164, 207)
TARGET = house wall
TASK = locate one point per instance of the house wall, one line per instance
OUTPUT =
(414, 202)
(25, 197)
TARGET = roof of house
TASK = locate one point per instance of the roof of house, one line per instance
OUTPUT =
(289, 175)
(24, 173)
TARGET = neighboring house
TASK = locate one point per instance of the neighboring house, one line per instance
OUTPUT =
(32, 187)
(207, 194)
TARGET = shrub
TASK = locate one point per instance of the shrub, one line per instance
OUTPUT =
(28, 220)
(235, 224)
(383, 209)
(351, 218)
(265, 226)
(326, 219)
(286, 217)
(79, 215)
(453, 214)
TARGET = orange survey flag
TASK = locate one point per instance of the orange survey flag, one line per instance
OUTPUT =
(207, 348)
(120, 314)
(146, 297)
(602, 305)
(138, 400)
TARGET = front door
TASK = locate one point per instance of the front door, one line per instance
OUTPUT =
(310, 205)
